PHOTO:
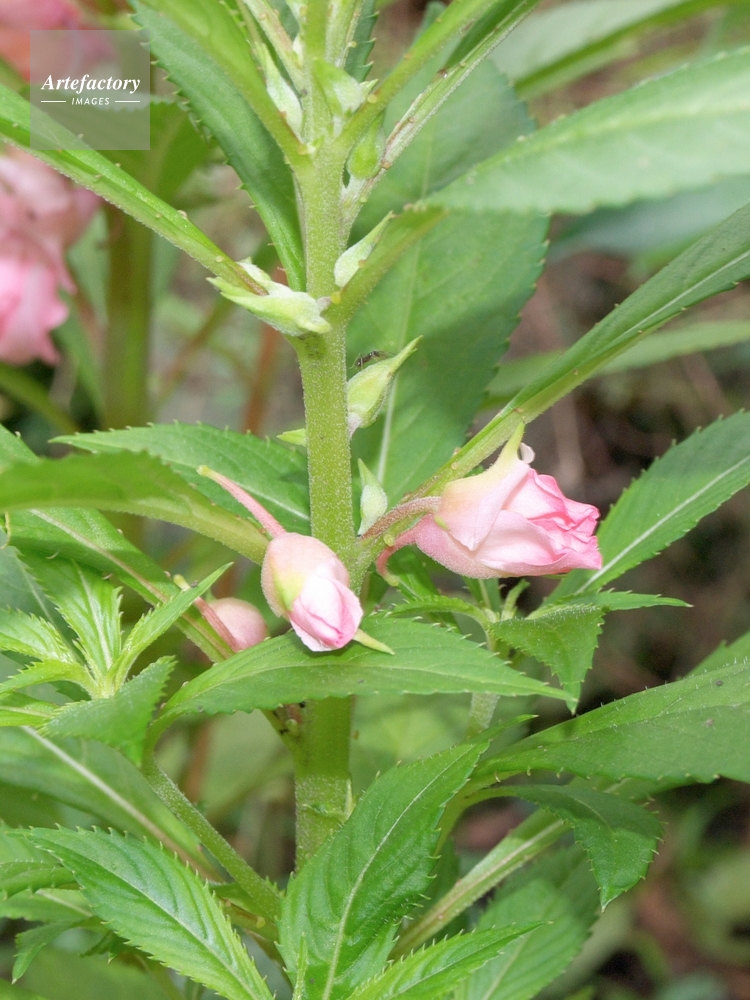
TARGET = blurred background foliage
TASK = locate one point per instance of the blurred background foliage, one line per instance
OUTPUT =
(684, 934)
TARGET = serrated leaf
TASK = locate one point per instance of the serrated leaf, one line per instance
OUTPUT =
(564, 639)
(134, 484)
(94, 171)
(47, 672)
(120, 721)
(619, 837)
(88, 603)
(437, 604)
(93, 778)
(32, 636)
(223, 109)
(558, 891)
(665, 502)
(20, 710)
(736, 652)
(19, 876)
(274, 475)
(553, 47)
(347, 900)
(670, 134)
(18, 588)
(431, 973)
(87, 537)
(713, 264)
(154, 902)
(514, 375)
(282, 671)
(15, 847)
(619, 600)
(690, 730)
(61, 975)
(30, 943)
(460, 288)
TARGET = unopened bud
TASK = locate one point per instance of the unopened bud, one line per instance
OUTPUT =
(364, 161)
(368, 390)
(242, 620)
(352, 259)
(373, 501)
(343, 93)
(292, 313)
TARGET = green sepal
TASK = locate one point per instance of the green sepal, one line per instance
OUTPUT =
(295, 314)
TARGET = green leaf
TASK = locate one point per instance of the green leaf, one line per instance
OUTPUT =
(133, 484)
(619, 837)
(30, 943)
(713, 264)
(19, 710)
(347, 900)
(177, 148)
(92, 778)
(460, 288)
(273, 474)
(690, 730)
(94, 171)
(32, 636)
(120, 721)
(616, 600)
(52, 906)
(282, 671)
(559, 892)
(154, 902)
(87, 537)
(150, 626)
(736, 652)
(18, 587)
(668, 499)
(18, 876)
(562, 638)
(223, 109)
(514, 375)
(88, 603)
(666, 135)
(61, 975)
(15, 847)
(553, 47)
(431, 973)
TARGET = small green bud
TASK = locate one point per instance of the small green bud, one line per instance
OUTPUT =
(373, 502)
(342, 92)
(298, 437)
(281, 92)
(293, 313)
(364, 161)
(368, 390)
(352, 259)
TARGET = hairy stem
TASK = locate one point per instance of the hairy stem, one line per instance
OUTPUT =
(264, 895)
(126, 349)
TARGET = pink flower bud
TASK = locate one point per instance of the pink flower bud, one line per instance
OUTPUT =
(507, 521)
(242, 621)
(29, 309)
(306, 583)
(18, 17)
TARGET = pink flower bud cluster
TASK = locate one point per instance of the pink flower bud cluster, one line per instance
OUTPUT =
(507, 521)
(41, 214)
(18, 17)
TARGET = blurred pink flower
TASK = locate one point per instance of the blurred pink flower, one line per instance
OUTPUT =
(18, 17)
(507, 521)
(41, 214)
(241, 620)
(306, 583)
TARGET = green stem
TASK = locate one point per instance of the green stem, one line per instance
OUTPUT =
(323, 787)
(527, 841)
(264, 895)
(126, 351)
(322, 784)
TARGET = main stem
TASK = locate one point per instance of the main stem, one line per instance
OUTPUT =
(323, 788)
(126, 350)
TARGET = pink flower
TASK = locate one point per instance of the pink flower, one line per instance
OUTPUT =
(18, 17)
(41, 214)
(305, 582)
(507, 521)
(241, 620)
